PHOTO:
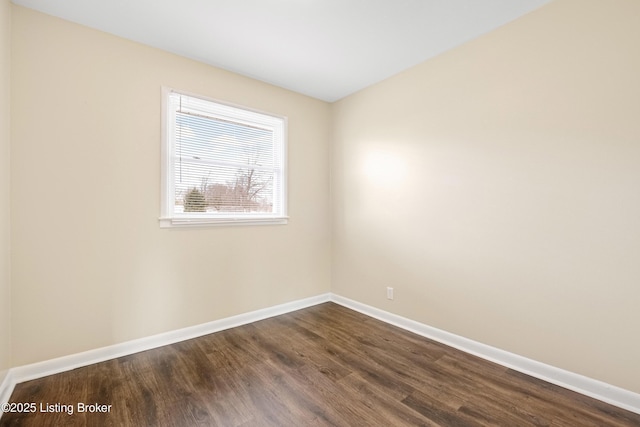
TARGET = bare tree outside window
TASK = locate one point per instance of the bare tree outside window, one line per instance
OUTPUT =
(247, 193)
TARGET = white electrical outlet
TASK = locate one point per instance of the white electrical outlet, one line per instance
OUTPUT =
(389, 292)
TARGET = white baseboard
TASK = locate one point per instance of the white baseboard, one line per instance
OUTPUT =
(608, 393)
(6, 387)
(66, 363)
(599, 390)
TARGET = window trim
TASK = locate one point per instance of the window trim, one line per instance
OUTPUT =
(167, 197)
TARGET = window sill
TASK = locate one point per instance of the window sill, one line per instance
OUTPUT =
(213, 222)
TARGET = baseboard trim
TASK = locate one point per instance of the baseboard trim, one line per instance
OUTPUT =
(6, 387)
(590, 387)
(66, 363)
(608, 393)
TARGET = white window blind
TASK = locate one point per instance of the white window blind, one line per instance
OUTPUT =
(222, 164)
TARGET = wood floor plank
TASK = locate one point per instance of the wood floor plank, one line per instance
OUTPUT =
(322, 366)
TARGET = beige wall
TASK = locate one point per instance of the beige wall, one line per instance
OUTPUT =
(5, 211)
(510, 214)
(91, 267)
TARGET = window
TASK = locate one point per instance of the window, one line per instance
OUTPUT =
(221, 164)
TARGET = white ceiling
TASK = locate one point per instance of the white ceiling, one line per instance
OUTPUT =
(326, 49)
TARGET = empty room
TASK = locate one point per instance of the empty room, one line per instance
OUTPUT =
(320, 212)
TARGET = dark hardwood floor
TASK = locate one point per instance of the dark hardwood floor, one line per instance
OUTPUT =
(324, 365)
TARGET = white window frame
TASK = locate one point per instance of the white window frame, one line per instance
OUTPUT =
(168, 216)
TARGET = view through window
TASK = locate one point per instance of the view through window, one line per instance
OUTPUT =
(223, 163)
